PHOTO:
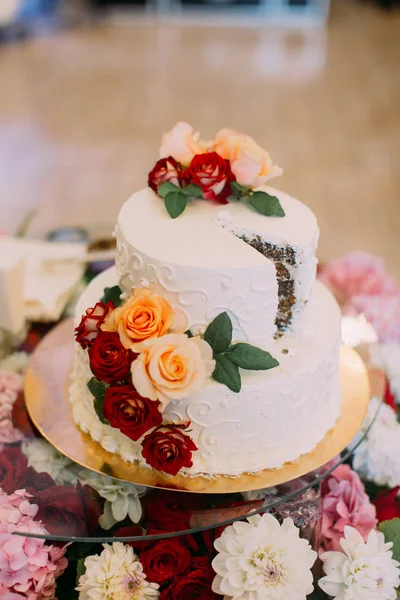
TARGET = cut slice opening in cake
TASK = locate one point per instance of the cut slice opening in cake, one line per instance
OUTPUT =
(285, 261)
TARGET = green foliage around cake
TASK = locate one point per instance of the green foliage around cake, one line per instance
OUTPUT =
(250, 357)
(264, 203)
(176, 198)
(98, 390)
(230, 357)
(219, 333)
(391, 531)
(112, 294)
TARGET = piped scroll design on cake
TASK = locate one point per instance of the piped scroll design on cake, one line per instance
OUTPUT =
(142, 360)
(232, 166)
(219, 290)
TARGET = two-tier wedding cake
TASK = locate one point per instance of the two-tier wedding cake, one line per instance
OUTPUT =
(212, 351)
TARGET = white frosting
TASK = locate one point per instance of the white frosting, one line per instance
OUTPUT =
(203, 269)
(278, 415)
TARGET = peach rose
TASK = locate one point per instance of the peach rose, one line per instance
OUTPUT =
(172, 367)
(181, 143)
(251, 164)
(144, 316)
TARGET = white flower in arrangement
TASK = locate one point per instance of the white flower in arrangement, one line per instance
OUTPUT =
(122, 499)
(115, 574)
(377, 458)
(263, 560)
(16, 362)
(44, 458)
(363, 571)
(390, 357)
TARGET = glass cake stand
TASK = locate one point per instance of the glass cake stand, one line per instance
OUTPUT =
(81, 505)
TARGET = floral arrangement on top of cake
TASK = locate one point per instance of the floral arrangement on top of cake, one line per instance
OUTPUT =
(232, 165)
(142, 358)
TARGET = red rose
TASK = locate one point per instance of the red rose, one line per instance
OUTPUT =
(168, 449)
(89, 326)
(109, 360)
(390, 397)
(169, 511)
(195, 585)
(212, 174)
(166, 169)
(387, 505)
(62, 510)
(21, 419)
(165, 559)
(13, 470)
(127, 411)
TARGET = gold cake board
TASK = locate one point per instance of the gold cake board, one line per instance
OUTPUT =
(46, 393)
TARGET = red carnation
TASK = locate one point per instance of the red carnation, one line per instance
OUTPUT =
(196, 585)
(212, 174)
(168, 449)
(165, 559)
(89, 326)
(126, 410)
(109, 360)
(387, 505)
(165, 170)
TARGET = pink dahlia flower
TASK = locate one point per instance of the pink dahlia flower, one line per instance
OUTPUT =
(344, 502)
(357, 274)
(28, 566)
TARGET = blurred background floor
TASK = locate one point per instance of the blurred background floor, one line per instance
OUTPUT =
(82, 113)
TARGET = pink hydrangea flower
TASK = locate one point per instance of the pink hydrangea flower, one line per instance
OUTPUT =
(383, 312)
(344, 502)
(28, 566)
(358, 274)
(10, 386)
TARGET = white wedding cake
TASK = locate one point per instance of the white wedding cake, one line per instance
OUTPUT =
(218, 353)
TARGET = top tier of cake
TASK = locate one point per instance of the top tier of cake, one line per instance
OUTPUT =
(216, 258)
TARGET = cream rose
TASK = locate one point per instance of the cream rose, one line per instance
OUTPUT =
(251, 164)
(172, 367)
(182, 144)
(144, 316)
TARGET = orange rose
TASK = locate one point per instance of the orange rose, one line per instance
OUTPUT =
(251, 164)
(182, 143)
(144, 316)
(172, 367)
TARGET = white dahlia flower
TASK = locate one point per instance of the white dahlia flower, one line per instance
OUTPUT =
(115, 574)
(263, 560)
(363, 571)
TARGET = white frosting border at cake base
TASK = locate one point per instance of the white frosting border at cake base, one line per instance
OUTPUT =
(278, 416)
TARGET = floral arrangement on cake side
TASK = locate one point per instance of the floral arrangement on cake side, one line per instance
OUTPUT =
(142, 358)
(232, 166)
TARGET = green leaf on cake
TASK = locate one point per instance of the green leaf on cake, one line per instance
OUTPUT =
(98, 390)
(165, 188)
(192, 191)
(112, 294)
(189, 333)
(227, 373)
(266, 204)
(219, 333)
(250, 357)
(238, 191)
(175, 203)
(391, 531)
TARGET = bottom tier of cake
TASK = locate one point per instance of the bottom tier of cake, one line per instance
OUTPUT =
(278, 415)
